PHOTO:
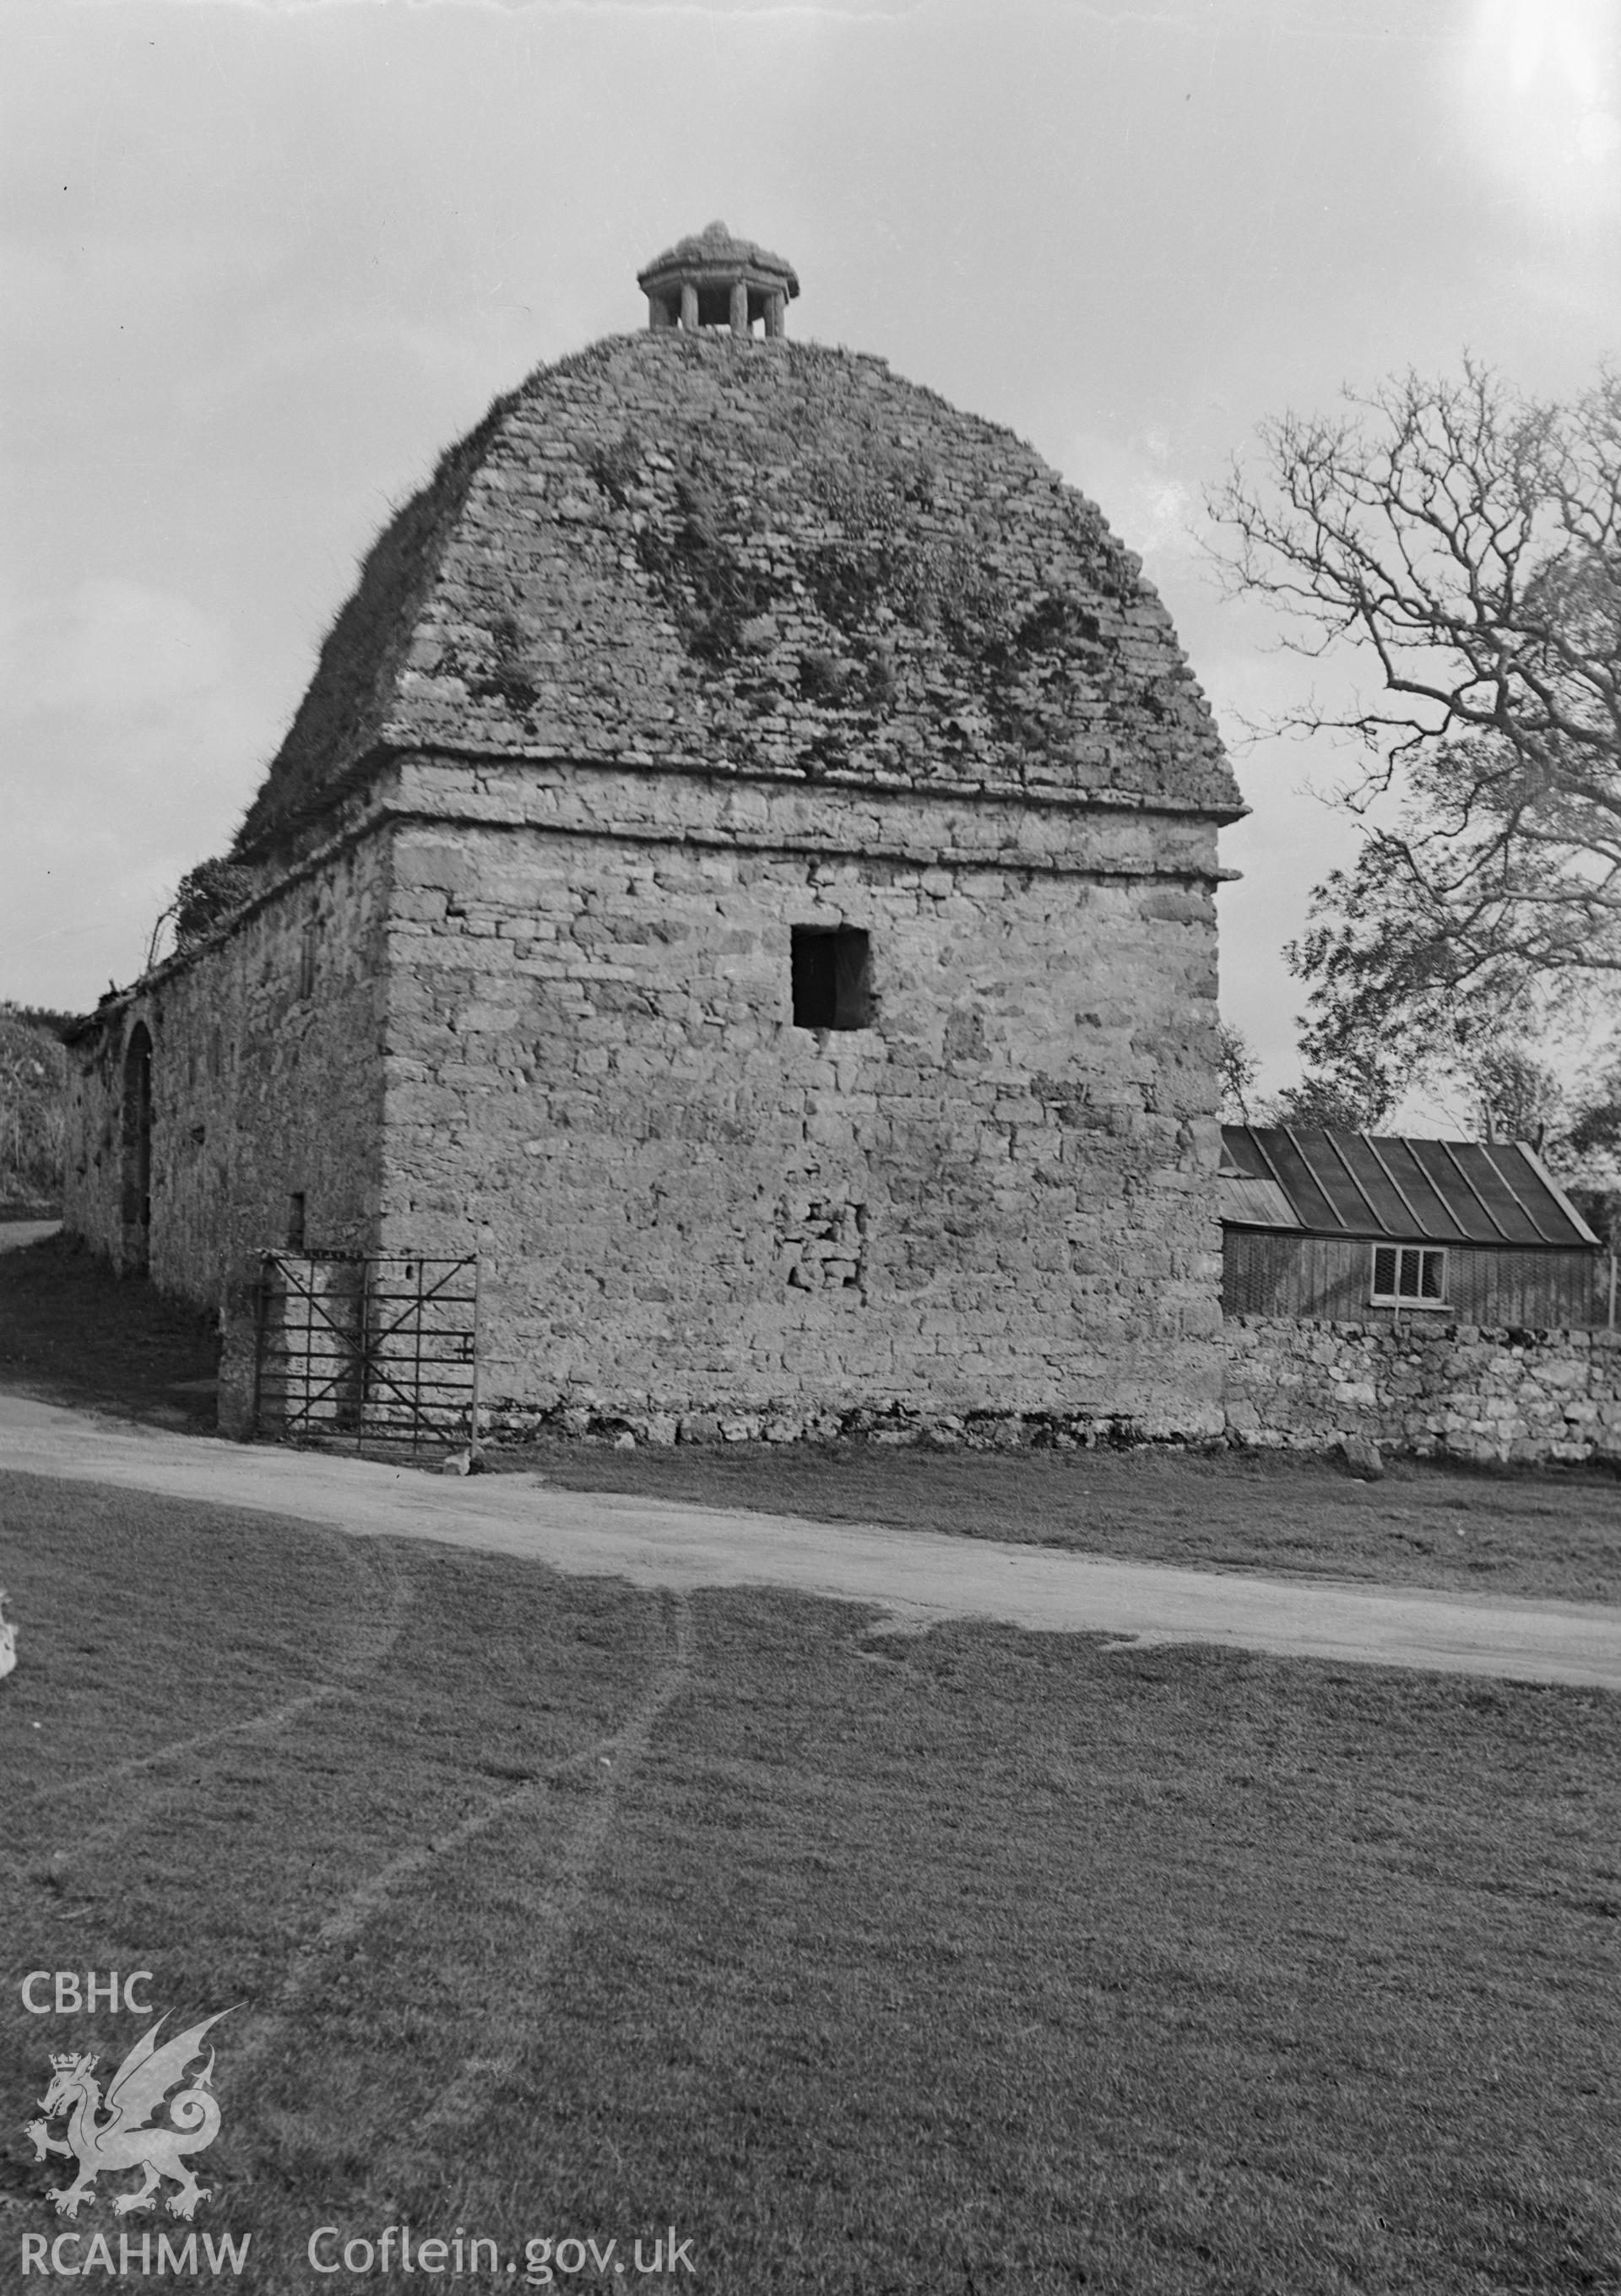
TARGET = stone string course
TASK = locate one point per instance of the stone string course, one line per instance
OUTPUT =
(1456, 1391)
(959, 828)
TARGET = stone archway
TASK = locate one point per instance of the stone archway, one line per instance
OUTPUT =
(137, 1119)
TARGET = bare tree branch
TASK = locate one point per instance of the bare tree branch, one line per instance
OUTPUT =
(1465, 544)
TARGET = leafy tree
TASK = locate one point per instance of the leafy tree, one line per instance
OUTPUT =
(1595, 1129)
(1239, 1070)
(1519, 1096)
(1356, 1095)
(1353, 1099)
(1585, 1153)
(1464, 544)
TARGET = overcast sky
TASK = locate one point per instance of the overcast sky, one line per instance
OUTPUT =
(265, 258)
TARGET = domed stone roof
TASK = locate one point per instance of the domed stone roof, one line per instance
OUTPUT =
(700, 550)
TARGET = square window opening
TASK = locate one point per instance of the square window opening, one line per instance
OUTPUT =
(1408, 1276)
(832, 969)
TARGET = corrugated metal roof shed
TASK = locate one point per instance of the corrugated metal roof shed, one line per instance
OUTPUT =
(1351, 1184)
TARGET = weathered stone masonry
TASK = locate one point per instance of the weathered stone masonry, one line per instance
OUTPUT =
(696, 641)
(593, 1062)
(267, 1081)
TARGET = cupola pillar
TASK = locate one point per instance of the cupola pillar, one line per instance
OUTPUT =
(713, 280)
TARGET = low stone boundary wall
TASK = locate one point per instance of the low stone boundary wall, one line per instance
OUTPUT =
(1458, 1390)
(886, 1423)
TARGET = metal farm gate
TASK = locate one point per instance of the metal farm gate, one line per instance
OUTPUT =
(362, 1349)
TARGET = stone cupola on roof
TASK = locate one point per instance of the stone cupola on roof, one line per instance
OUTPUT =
(713, 280)
(688, 549)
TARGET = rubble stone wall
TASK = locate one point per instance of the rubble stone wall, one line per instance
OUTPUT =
(266, 1081)
(995, 1199)
(1461, 1390)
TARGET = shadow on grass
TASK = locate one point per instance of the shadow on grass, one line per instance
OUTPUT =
(972, 1960)
(73, 1332)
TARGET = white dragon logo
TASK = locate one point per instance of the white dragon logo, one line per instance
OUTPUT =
(126, 2139)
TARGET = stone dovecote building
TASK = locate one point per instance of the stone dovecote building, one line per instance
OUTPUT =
(744, 865)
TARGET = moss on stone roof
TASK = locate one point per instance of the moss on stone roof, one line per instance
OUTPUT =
(693, 552)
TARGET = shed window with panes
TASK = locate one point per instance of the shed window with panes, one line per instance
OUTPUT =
(1408, 1276)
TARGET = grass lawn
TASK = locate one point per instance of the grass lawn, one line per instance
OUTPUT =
(873, 1963)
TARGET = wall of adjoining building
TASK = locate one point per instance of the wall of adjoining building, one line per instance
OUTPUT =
(1458, 1390)
(266, 1083)
(1266, 1273)
(997, 1197)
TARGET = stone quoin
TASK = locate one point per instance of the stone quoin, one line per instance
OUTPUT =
(744, 867)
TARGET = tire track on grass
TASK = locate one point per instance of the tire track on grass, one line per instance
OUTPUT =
(391, 1592)
(617, 1754)
(557, 1911)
